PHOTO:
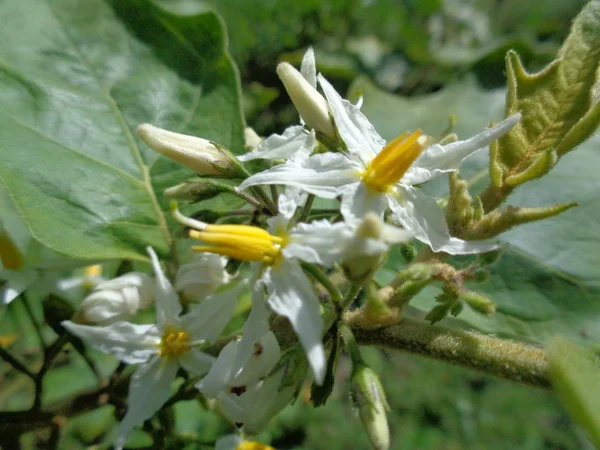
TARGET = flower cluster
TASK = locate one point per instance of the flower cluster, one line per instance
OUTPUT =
(282, 253)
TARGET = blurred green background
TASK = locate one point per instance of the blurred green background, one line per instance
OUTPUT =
(451, 52)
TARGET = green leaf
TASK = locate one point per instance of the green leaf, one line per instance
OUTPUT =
(575, 374)
(547, 281)
(558, 110)
(76, 78)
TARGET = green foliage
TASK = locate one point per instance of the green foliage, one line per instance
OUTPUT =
(76, 78)
(559, 111)
(575, 374)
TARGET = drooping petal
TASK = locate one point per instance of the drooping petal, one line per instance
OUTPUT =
(358, 133)
(320, 175)
(207, 320)
(358, 200)
(319, 242)
(196, 362)
(149, 389)
(265, 355)
(291, 295)
(278, 146)
(17, 282)
(308, 69)
(437, 159)
(168, 307)
(220, 374)
(422, 216)
(129, 342)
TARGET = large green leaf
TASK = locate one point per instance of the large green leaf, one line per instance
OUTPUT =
(548, 280)
(76, 78)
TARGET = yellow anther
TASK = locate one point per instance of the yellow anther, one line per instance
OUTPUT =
(392, 162)
(253, 445)
(174, 343)
(243, 242)
(91, 271)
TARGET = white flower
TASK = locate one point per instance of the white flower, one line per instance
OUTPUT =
(199, 279)
(372, 176)
(117, 299)
(302, 88)
(236, 376)
(290, 293)
(161, 348)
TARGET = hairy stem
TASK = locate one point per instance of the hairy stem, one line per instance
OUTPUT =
(511, 360)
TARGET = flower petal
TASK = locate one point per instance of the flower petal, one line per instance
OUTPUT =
(422, 216)
(358, 200)
(308, 69)
(16, 283)
(129, 342)
(278, 146)
(196, 362)
(220, 374)
(320, 175)
(207, 320)
(319, 242)
(292, 296)
(168, 307)
(358, 133)
(265, 355)
(202, 276)
(437, 159)
(149, 389)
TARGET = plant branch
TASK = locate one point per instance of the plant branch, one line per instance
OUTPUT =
(17, 365)
(511, 360)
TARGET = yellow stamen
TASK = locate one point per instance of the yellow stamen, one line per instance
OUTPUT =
(174, 343)
(392, 162)
(243, 242)
(91, 271)
(253, 445)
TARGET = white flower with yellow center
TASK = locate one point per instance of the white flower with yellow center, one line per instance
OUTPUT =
(160, 348)
(371, 175)
(290, 293)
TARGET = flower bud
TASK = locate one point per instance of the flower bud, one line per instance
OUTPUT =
(369, 398)
(195, 190)
(198, 279)
(117, 299)
(478, 302)
(200, 155)
(366, 250)
(311, 105)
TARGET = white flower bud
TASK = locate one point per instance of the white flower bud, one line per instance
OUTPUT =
(197, 280)
(311, 105)
(117, 299)
(198, 154)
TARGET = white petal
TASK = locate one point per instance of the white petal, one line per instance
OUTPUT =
(278, 146)
(320, 175)
(17, 282)
(319, 242)
(207, 320)
(358, 200)
(130, 343)
(149, 389)
(289, 201)
(437, 159)
(292, 296)
(220, 373)
(196, 362)
(202, 276)
(229, 442)
(422, 216)
(168, 307)
(354, 127)
(265, 355)
(308, 69)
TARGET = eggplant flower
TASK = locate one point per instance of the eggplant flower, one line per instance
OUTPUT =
(371, 175)
(160, 348)
(278, 251)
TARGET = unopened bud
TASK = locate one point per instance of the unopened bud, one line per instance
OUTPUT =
(202, 156)
(195, 190)
(478, 302)
(311, 105)
(117, 299)
(369, 398)
(198, 279)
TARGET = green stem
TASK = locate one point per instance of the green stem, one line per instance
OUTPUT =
(36, 325)
(319, 276)
(15, 363)
(306, 209)
(351, 345)
(350, 296)
(503, 358)
(264, 198)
